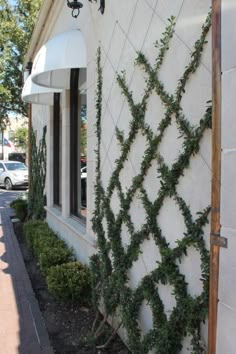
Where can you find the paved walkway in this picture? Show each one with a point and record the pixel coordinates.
(22, 329)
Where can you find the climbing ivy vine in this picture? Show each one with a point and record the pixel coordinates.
(111, 265)
(36, 195)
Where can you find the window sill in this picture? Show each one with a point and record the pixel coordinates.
(74, 224)
(57, 207)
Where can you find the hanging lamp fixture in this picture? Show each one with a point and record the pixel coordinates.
(77, 5)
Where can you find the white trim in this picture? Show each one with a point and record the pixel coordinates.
(48, 15)
(74, 225)
(65, 153)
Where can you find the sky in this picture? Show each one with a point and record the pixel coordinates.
(12, 2)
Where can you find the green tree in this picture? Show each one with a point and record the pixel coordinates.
(16, 25)
(21, 138)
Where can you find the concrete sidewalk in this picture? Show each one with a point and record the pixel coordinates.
(22, 329)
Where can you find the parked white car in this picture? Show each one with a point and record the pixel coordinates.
(13, 174)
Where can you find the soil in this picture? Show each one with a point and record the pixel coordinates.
(68, 325)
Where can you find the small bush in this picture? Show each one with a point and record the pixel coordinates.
(32, 229)
(55, 255)
(21, 208)
(70, 281)
(42, 239)
(46, 246)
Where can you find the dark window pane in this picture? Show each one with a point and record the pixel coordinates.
(56, 149)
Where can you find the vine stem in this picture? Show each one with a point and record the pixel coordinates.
(99, 331)
(104, 346)
(95, 321)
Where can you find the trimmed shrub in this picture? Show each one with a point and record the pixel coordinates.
(42, 239)
(21, 208)
(46, 246)
(70, 282)
(55, 255)
(67, 280)
(33, 229)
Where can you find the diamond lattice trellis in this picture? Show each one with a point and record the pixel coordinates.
(112, 264)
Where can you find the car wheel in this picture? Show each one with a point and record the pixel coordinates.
(8, 184)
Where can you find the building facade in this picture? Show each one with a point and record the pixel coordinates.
(154, 142)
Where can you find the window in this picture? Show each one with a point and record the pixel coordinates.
(56, 150)
(83, 155)
(11, 166)
(78, 134)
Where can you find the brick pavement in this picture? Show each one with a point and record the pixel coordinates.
(22, 329)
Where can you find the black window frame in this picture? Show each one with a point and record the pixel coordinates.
(74, 141)
(56, 148)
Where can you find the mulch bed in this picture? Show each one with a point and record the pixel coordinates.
(68, 325)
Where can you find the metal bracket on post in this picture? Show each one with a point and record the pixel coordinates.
(220, 241)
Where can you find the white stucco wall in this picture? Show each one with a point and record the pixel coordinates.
(125, 28)
(226, 329)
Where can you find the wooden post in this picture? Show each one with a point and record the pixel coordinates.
(216, 174)
(29, 144)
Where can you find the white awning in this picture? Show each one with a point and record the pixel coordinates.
(52, 64)
(32, 93)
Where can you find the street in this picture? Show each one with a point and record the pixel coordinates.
(6, 197)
